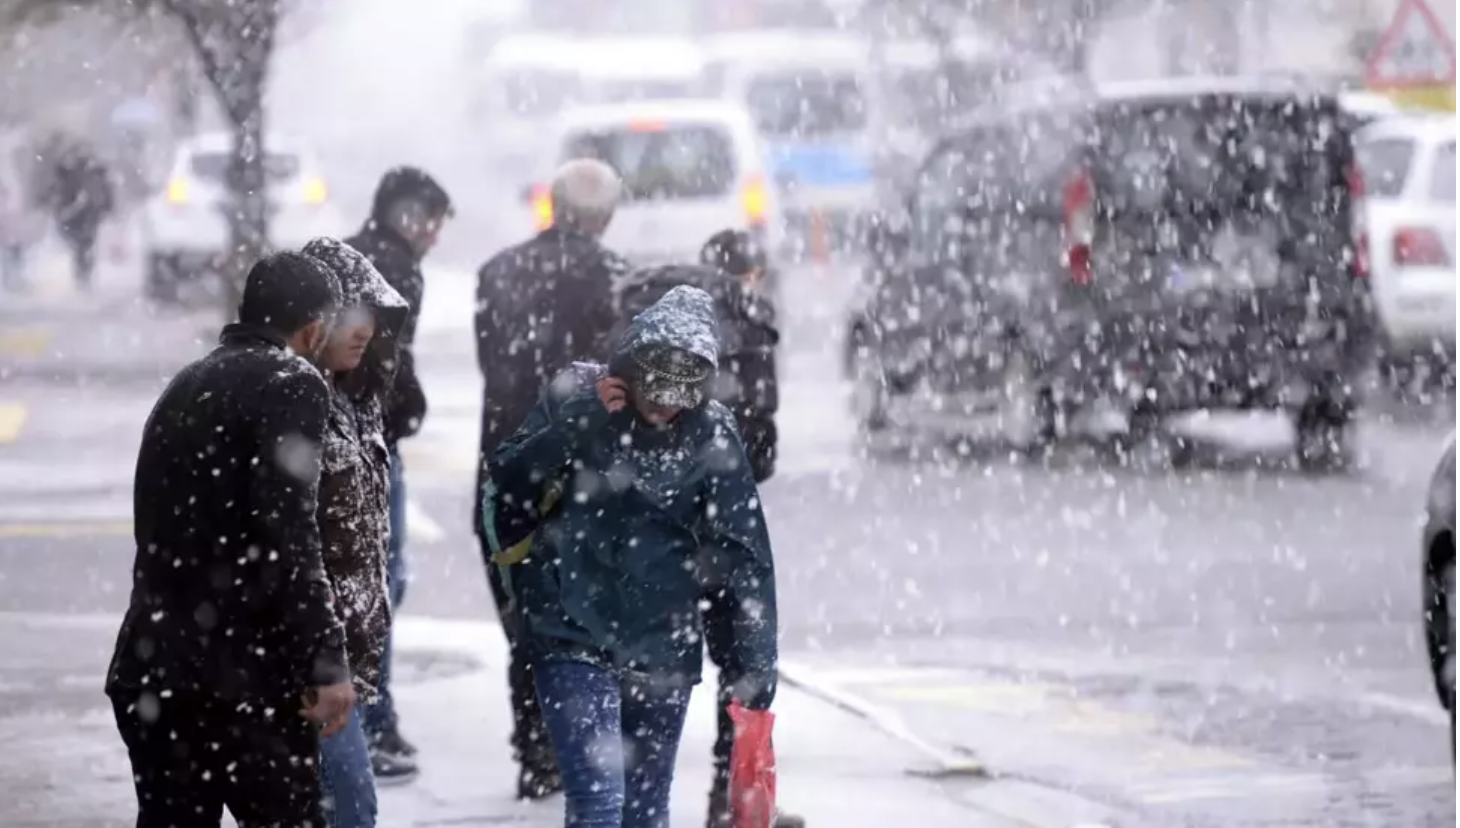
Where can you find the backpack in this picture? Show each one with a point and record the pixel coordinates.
(746, 383)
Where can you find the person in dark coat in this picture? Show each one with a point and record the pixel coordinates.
(358, 362)
(406, 217)
(731, 272)
(624, 496)
(541, 306)
(80, 196)
(231, 627)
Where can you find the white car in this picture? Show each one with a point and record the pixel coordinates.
(185, 227)
(690, 169)
(1408, 166)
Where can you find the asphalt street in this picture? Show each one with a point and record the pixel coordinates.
(1236, 645)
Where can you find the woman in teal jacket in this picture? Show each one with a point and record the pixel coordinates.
(621, 499)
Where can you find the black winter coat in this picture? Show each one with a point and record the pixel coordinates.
(229, 595)
(541, 306)
(746, 383)
(354, 499)
(398, 262)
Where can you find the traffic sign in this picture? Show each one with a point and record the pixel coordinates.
(1414, 51)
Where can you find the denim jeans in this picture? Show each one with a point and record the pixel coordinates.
(380, 716)
(615, 739)
(346, 779)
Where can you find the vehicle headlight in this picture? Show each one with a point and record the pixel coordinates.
(177, 191)
(315, 192)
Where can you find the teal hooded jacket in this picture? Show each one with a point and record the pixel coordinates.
(631, 524)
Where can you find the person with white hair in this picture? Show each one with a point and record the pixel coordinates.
(542, 305)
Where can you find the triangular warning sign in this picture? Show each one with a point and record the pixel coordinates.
(1414, 51)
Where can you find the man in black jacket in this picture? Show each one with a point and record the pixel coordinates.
(541, 306)
(406, 217)
(231, 630)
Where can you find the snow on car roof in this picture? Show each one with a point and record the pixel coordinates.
(789, 48)
(603, 57)
(684, 111)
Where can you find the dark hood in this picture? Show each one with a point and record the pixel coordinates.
(362, 286)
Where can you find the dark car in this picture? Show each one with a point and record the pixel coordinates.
(1438, 550)
(1161, 247)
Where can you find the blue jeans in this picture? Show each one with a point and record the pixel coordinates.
(346, 779)
(615, 739)
(380, 716)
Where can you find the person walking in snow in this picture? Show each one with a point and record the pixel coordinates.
(621, 496)
(406, 216)
(231, 626)
(358, 362)
(541, 305)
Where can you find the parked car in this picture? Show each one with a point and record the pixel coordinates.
(1160, 247)
(1409, 170)
(1437, 548)
(185, 226)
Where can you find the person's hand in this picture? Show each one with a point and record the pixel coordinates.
(614, 393)
(329, 706)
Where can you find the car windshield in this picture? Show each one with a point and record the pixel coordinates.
(213, 166)
(805, 104)
(662, 162)
(625, 91)
(1385, 163)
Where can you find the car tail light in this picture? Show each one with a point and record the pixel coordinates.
(755, 199)
(1419, 247)
(1358, 222)
(542, 207)
(1079, 212)
(178, 191)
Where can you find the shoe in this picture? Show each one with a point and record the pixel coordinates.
(392, 769)
(390, 741)
(538, 783)
(784, 820)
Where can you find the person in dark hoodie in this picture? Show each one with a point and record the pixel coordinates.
(406, 217)
(541, 305)
(231, 627)
(358, 363)
(624, 492)
(731, 272)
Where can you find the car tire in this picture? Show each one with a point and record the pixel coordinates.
(1147, 439)
(1324, 437)
(1027, 421)
(162, 279)
(869, 390)
(1447, 586)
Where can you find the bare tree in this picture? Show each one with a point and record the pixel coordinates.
(233, 43)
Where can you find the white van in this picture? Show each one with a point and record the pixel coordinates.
(690, 168)
(529, 79)
(808, 95)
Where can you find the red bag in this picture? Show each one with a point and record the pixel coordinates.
(752, 769)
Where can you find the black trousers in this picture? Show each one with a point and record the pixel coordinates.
(719, 621)
(530, 746)
(192, 757)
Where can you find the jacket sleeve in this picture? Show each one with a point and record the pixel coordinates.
(407, 398)
(285, 497)
(532, 460)
(735, 533)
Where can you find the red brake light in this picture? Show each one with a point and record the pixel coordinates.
(542, 207)
(647, 126)
(1358, 221)
(1079, 212)
(1419, 247)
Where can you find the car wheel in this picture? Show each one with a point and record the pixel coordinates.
(1447, 667)
(1147, 443)
(869, 390)
(1026, 419)
(1325, 438)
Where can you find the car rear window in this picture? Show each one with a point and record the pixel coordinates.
(1442, 177)
(1385, 163)
(1212, 155)
(662, 162)
(538, 94)
(806, 104)
(211, 166)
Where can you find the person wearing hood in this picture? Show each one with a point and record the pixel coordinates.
(231, 625)
(406, 217)
(358, 362)
(541, 305)
(624, 493)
